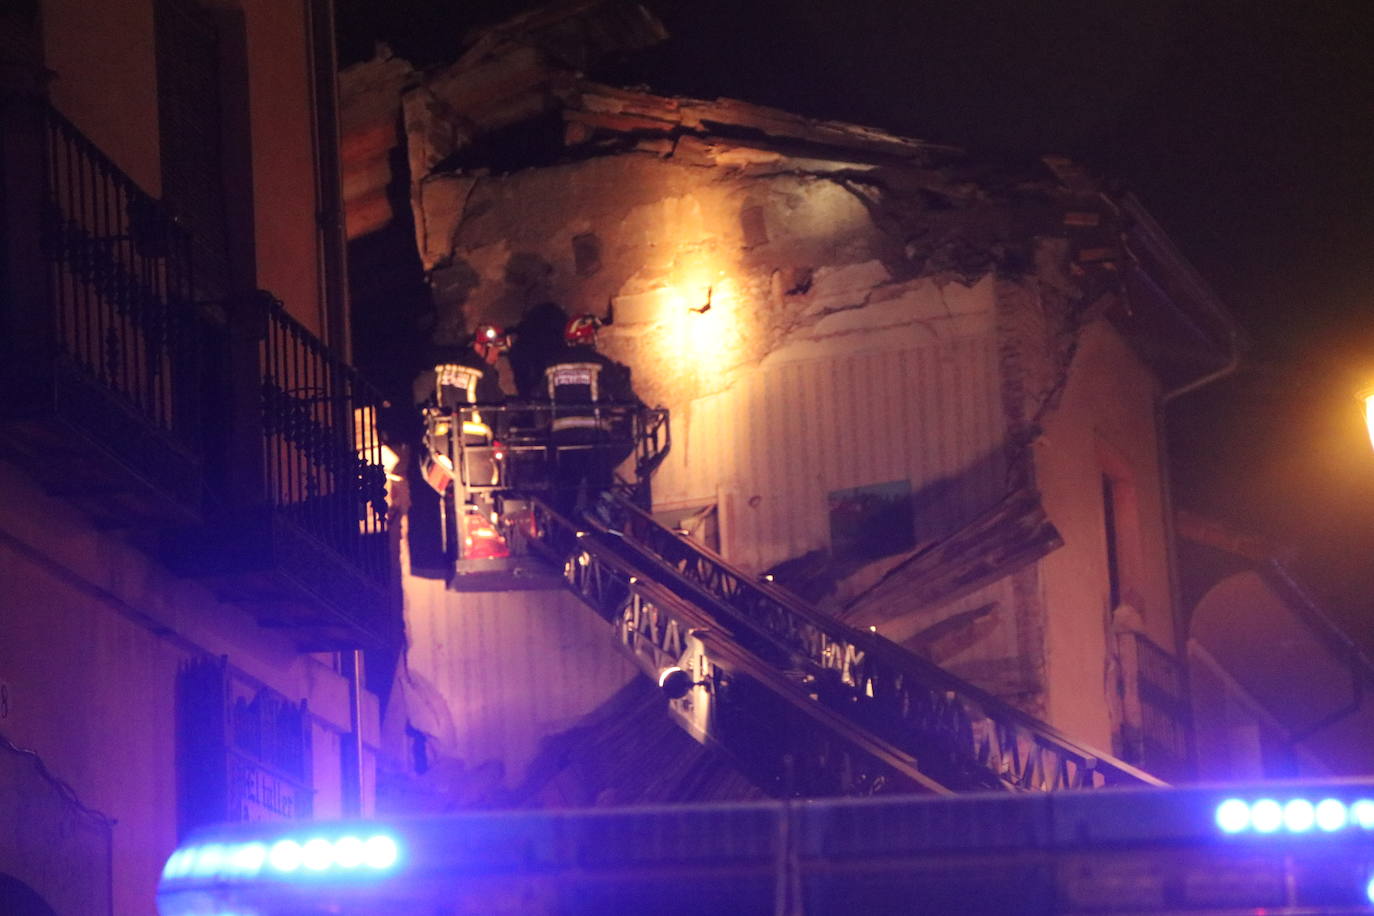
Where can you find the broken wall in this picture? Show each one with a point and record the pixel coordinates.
(809, 356)
(834, 317)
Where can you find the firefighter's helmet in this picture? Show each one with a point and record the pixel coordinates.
(581, 329)
(490, 335)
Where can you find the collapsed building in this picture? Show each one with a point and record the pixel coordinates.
(921, 390)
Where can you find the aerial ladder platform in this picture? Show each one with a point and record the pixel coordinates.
(804, 704)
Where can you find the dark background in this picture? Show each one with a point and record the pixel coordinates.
(1247, 128)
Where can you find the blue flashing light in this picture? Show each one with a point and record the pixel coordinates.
(285, 856)
(1299, 815)
(1266, 815)
(380, 851)
(1233, 815)
(1293, 816)
(209, 858)
(1369, 890)
(247, 860)
(289, 857)
(179, 863)
(349, 852)
(1332, 815)
(317, 854)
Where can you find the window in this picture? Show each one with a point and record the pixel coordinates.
(191, 119)
(871, 521)
(244, 751)
(1109, 511)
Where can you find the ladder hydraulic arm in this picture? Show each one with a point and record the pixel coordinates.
(764, 717)
(959, 737)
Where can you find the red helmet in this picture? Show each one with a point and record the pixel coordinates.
(581, 329)
(490, 335)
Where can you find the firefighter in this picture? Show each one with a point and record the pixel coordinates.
(459, 381)
(451, 396)
(465, 375)
(590, 427)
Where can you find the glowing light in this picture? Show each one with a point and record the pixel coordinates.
(349, 852)
(1332, 815)
(389, 459)
(1299, 815)
(380, 851)
(208, 859)
(1266, 815)
(285, 855)
(178, 863)
(667, 673)
(249, 858)
(1233, 815)
(445, 461)
(1368, 398)
(317, 854)
(1369, 890)
(1362, 813)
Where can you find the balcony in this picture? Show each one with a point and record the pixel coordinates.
(101, 358)
(296, 517)
(222, 435)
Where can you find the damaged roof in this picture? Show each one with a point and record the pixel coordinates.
(517, 98)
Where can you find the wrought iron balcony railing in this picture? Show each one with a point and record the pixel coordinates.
(102, 352)
(120, 279)
(321, 455)
(225, 425)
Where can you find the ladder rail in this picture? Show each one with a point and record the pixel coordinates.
(929, 703)
(767, 722)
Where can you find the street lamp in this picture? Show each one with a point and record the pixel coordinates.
(1367, 396)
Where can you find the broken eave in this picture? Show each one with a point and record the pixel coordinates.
(1171, 314)
(599, 113)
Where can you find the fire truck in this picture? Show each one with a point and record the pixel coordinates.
(1276, 849)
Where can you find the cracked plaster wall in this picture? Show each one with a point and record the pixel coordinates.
(828, 358)
(785, 260)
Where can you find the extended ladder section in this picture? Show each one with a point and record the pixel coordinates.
(805, 704)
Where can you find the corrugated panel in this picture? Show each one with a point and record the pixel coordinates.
(775, 444)
(514, 667)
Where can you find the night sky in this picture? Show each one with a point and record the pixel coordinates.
(1246, 127)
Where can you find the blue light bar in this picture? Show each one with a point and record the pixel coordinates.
(292, 857)
(1294, 816)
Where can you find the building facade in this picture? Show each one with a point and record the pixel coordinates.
(193, 533)
(923, 391)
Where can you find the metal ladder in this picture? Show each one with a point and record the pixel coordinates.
(807, 705)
